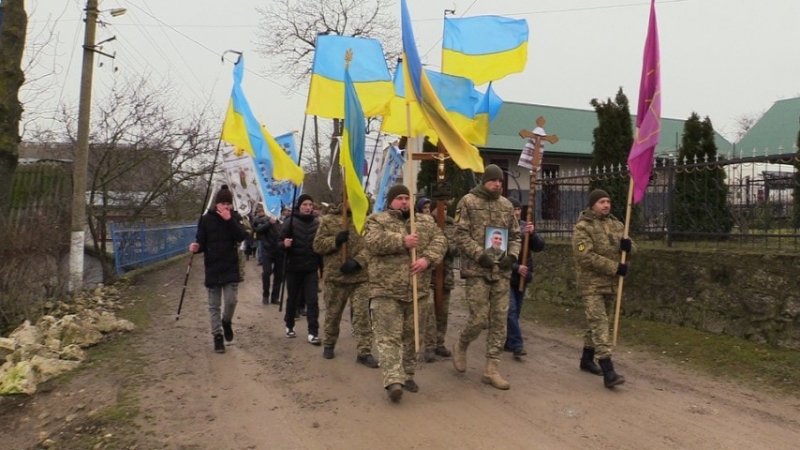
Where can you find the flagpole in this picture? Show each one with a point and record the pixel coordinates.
(412, 224)
(291, 207)
(618, 304)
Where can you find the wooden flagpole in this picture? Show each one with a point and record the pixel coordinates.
(623, 258)
(412, 223)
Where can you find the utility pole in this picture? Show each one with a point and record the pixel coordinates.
(80, 165)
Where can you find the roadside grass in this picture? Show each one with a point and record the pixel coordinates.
(758, 366)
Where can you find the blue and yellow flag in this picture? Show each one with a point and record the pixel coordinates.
(487, 109)
(369, 73)
(420, 90)
(484, 48)
(242, 130)
(457, 95)
(351, 156)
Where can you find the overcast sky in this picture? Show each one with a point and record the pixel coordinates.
(720, 58)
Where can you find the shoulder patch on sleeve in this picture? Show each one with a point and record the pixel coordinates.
(581, 246)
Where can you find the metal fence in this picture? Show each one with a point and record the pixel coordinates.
(142, 245)
(683, 206)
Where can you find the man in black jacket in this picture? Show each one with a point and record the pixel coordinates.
(218, 236)
(268, 231)
(302, 265)
(520, 271)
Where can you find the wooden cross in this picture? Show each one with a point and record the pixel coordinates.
(537, 136)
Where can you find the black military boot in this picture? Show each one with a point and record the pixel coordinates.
(610, 378)
(587, 362)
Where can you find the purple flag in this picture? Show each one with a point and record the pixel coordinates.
(648, 117)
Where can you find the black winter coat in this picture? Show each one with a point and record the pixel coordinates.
(300, 257)
(268, 233)
(218, 239)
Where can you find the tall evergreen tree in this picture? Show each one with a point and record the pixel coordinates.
(700, 201)
(796, 201)
(613, 139)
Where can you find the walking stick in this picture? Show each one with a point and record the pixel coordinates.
(205, 200)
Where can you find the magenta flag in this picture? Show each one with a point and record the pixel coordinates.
(648, 117)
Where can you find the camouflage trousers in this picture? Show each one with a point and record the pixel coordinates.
(434, 325)
(488, 307)
(598, 310)
(393, 325)
(336, 296)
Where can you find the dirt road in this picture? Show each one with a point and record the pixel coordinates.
(270, 392)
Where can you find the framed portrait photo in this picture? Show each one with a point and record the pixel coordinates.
(496, 242)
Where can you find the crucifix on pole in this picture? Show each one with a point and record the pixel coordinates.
(440, 192)
(532, 161)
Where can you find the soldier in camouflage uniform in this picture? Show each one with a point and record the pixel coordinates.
(389, 245)
(434, 337)
(597, 243)
(343, 281)
(487, 280)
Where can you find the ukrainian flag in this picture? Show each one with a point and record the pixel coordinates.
(457, 94)
(369, 73)
(242, 130)
(420, 90)
(486, 111)
(351, 156)
(484, 48)
(470, 110)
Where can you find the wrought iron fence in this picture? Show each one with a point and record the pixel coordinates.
(142, 245)
(745, 202)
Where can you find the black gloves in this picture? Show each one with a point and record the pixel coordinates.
(342, 237)
(350, 266)
(507, 262)
(625, 245)
(622, 269)
(486, 261)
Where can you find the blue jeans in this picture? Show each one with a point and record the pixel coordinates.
(514, 334)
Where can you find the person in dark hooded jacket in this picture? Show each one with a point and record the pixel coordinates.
(218, 236)
(520, 271)
(302, 265)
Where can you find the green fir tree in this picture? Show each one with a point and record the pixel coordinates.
(700, 200)
(613, 139)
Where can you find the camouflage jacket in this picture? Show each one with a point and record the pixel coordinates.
(449, 257)
(325, 245)
(476, 211)
(595, 247)
(390, 261)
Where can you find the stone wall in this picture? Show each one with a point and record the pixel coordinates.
(750, 296)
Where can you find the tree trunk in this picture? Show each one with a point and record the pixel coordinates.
(13, 24)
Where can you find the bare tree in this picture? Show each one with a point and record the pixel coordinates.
(744, 123)
(289, 28)
(13, 27)
(145, 158)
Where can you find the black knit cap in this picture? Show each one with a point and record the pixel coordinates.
(515, 203)
(596, 195)
(224, 195)
(302, 198)
(492, 172)
(394, 191)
